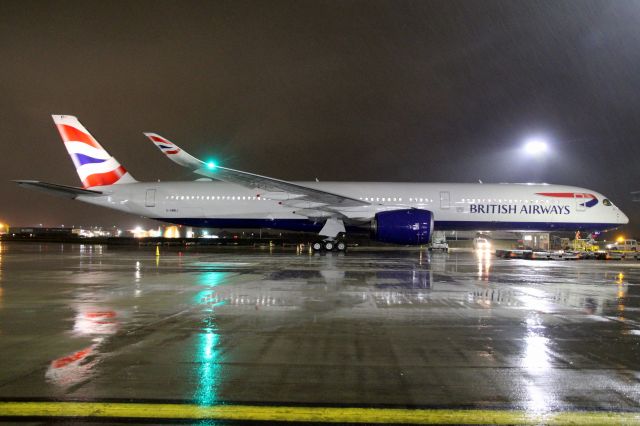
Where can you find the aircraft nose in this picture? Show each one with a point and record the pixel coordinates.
(622, 218)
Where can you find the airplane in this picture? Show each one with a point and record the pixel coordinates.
(397, 213)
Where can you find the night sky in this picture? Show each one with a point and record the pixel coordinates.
(340, 90)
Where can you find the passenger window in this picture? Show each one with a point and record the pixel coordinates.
(606, 202)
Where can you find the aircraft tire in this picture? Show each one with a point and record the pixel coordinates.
(341, 246)
(317, 246)
(329, 245)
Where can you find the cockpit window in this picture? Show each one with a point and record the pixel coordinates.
(606, 202)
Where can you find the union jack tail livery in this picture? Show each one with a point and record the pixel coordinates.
(93, 163)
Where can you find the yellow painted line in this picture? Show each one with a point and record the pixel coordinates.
(311, 414)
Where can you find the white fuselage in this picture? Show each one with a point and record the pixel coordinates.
(458, 206)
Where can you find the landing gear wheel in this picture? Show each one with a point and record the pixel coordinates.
(317, 246)
(328, 245)
(341, 246)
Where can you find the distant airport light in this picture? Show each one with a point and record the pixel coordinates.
(620, 239)
(536, 146)
(138, 232)
(172, 232)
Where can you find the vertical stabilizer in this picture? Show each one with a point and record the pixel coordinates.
(93, 163)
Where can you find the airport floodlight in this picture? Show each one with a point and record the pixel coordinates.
(536, 146)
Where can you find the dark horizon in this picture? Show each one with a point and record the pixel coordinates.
(349, 90)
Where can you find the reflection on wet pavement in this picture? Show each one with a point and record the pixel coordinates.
(403, 328)
(1, 247)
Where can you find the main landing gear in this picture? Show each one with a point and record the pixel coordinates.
(329, 245)
(332, 228)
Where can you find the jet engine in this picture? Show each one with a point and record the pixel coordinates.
(409, 226)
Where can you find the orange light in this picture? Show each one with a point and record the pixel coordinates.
(172, 232)
(620, 239)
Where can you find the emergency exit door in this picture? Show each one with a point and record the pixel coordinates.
(150, 199)
(444, 199)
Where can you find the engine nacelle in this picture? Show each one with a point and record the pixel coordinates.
(410, 226)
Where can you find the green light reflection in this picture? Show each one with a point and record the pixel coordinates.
(209, 368)
(207, 351)
(209, 280)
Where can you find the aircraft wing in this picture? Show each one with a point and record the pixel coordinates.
(59, 190)
(289, 190)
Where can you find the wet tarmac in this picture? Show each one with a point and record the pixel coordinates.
(384, 328)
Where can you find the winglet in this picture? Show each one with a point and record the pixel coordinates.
(174, 152)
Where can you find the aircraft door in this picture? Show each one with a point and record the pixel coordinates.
(580, 202)
(150, 198)
(444, 200)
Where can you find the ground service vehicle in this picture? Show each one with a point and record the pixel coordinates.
(624, 245)
(439, 242)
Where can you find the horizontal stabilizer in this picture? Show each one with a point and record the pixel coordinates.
(59, 190)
